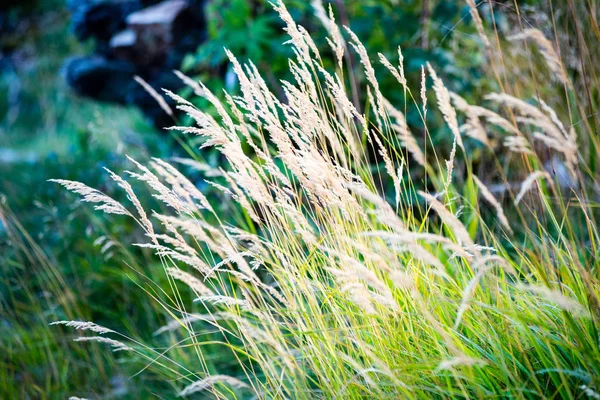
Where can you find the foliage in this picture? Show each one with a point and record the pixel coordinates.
(52, 267)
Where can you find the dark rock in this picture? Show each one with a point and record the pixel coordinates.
(172, 26)
(101, 20)
(123, 45)
(153, 31)
(99, 78)
(162, 14)
(134, 37)
(112, 81)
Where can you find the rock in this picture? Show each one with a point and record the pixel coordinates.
(162, 14)
(148, 38)
(159, 29)
(122, 45)
(123, 39)
(112, 81)
(101, 20)
(99, 78)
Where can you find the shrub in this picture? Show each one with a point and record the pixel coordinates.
(343, 275)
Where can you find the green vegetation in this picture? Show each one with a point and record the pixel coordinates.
(51, 264)
(343, 234)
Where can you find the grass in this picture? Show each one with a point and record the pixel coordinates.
(346, 256)
(50, 268)
(341, 275)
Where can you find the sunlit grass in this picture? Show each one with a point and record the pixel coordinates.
(338, 275)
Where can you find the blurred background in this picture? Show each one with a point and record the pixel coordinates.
(69, 106)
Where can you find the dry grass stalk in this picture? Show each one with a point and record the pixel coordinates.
(115, 344)
(145, 222)
(369, 71)
(194, 283)
(190, 82)
(518, 144)
(461, 361)
(554, 296)
(590, 392)
(397, 73)
(482, 266)
(224, 300)
(473, 126)
(424, 93)
(103, 202)
(211, 381)
(406, 137)
(84, 326)
(335, 39)
(478, 23)
(155, 95)
(553, 133)
(528, 183)
(489, 197)
(443, 97)
(186, 321)
(450, 220)
(547, 49)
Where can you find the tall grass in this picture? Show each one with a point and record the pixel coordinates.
(35, 361)
(366, 263)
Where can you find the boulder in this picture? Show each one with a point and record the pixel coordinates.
(160, 30)
(123, 45)
(134, 37)
(101, 19)
(99, 78)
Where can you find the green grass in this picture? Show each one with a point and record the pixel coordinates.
(336, 277)
(353, 279)
(50, 267)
